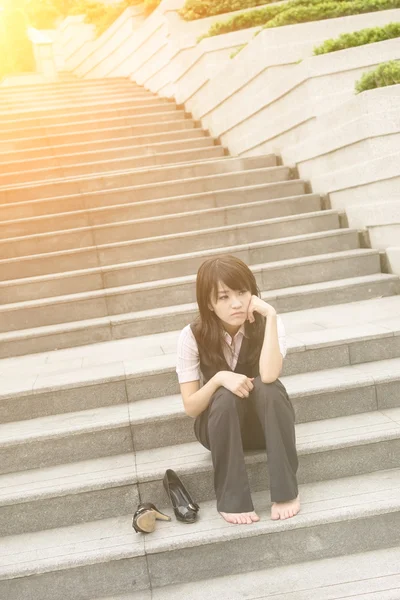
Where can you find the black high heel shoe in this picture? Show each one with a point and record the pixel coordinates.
(184, 508)
(144, 519)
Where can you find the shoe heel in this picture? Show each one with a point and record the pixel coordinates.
(161, 517)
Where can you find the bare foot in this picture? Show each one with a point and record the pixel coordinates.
(285, 510)
(240, 518)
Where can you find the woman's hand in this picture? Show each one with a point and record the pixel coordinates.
(258, 305)
(240, 385)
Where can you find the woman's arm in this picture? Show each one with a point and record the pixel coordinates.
(271, 359)
(196, 398)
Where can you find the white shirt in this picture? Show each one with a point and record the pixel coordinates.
(188, 362)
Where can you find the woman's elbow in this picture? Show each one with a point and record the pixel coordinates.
(268, 378)
(190, 414)
(189, 410)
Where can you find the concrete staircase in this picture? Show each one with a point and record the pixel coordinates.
(110, 199)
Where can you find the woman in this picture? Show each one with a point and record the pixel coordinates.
(236, 347)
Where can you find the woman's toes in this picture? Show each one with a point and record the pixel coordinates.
(229, 517)
(240, 518)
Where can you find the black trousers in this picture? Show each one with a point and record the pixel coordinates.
(230, 425)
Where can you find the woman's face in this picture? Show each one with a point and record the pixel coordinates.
(231, 306)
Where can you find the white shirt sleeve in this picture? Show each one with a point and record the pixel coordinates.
(188, 362)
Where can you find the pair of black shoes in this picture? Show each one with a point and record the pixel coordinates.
(146, 515)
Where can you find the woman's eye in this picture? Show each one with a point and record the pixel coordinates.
(243, 292)
(223, 297)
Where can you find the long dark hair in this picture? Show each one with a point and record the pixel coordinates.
(207, 329)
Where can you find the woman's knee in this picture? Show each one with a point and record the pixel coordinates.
(224, 403)
(271, 393)
(273, 390)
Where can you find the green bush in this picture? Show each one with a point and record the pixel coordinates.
(103, 15)
(359, 38)
(318, 11)
(199, 9)
(386, 74)
(44, 14)
(243, 21)
(150, 5)
(298, 11)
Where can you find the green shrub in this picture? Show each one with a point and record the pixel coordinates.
(103, 15)
(199, 9)
(359, 38)
(318, 11)
(299, 11)
(386, 74)
(243, 21)
(44, 14)
(150, 5)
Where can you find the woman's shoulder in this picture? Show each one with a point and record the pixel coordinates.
(187, 344)
(186, 334)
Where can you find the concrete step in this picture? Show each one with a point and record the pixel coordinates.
(19, 106)
(137, 230)
(108, 157)
(61, 388)
(168, 113)
(167, 245)
(85, 490)
(151, 213)
(97, 135)
(31, 288)
(147, 322)
(75, 98)
(83, 377)
(371, 575)
(128, 325)
(117, 164)
(94, 148)
(155, 294)
(50, 89)
(148, 184)
(62, 85)
(274, 185)
(88, 106)
(107, 557)
(75, 116)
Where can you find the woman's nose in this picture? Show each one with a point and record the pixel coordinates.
(236, 301)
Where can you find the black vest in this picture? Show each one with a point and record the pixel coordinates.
(243, 367)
